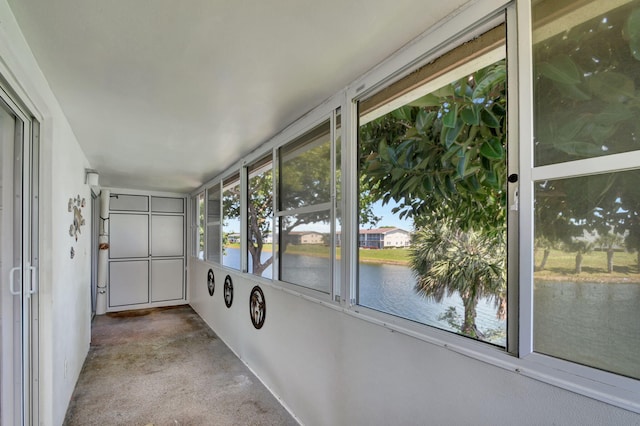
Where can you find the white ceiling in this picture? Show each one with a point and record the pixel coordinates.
(166, 94)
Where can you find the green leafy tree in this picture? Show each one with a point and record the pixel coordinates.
(441, 160)
(305, 181)
(259, 220)
(444, 155)
(586, 87)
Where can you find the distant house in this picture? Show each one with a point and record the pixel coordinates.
(306, 237)
(384, 238)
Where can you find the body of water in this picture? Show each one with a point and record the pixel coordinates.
(385, 288)
(596, 324)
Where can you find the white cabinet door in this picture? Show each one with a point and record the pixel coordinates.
(167, 235)
(129, 236)
(128, 282)
(167, 279)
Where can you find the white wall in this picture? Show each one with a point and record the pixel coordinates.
(65, 308)
(331, 368)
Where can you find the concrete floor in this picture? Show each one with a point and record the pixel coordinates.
(166, 367)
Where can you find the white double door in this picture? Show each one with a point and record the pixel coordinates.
(18, 265)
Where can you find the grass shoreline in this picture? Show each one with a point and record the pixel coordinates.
(560, 265)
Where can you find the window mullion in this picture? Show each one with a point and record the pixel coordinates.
(513, 158)
(525, 196)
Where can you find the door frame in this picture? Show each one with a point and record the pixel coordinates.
(20, 396)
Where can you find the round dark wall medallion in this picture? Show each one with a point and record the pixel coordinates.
(228, 291)
(211, 282)
(257, 307)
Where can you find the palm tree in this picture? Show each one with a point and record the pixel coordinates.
(472, 264)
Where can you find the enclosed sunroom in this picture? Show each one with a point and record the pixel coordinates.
(150, 149)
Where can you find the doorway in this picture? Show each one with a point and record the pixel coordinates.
(18, 264)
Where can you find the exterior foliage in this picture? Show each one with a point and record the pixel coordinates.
(448, 145)
(441, 160)
(470, 263)
(587, 87)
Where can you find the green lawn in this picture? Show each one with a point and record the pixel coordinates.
(561, 265)
(391, 255)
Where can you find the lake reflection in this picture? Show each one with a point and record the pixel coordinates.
(596, 324)
(390, 289)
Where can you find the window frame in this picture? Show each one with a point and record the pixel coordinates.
(257, 167)
(196, 224)
(473, 54)
(212, 224)
(321, 118)
(233, 180)
(609, 387)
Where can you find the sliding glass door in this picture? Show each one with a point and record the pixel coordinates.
(18, 264)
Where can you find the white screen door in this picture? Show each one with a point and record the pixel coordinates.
(18, 263)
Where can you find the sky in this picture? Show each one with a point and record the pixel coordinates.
(388, 219)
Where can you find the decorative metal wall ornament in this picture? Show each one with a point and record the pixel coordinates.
(211, 282)
(228, 291)
(75, 206)
(257, 307)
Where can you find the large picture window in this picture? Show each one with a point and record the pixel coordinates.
(586, 229)
(432, 173)
(213, 223)
(305, 210)
(198, 225)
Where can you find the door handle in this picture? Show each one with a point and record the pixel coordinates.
(12, 282)
(34, 284)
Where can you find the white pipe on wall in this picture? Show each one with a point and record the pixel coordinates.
(103, 252)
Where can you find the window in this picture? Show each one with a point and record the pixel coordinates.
(231, 222)
(305, 210)
(260, 218)
(338, 207)
(586, 230)
(213, 223)
(432, 173)
(198, 224)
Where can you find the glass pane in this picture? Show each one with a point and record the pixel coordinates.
(305, 251)
(231, 223)
(432, 205)
(195, 237)
(587, 270)
(305, 170)
(201, 224)
(586, 77)
(260, 215)
(213, 204)
(213, 224)
(338, 208)
(213, 243)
